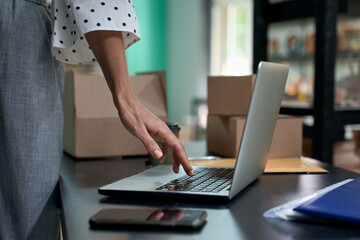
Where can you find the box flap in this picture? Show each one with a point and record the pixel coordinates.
(149, 91)
(162, 76)
(93, 99)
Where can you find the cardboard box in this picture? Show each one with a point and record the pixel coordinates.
(229, 96)
(92, 127)
(224, 135)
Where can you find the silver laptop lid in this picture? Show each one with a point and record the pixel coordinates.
(260, 124)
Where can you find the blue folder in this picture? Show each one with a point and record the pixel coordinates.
(342, 203)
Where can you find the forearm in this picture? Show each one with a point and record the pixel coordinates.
(108, 48)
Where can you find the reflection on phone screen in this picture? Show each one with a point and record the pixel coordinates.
(172, 215)
(167, 215)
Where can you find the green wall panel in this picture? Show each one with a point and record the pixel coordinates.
(149, 53)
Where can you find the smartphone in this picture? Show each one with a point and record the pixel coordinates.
(151, 218)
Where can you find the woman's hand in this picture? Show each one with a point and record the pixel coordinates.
(108, 48)
(148, 128)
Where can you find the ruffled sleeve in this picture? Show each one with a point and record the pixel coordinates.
(73, 18)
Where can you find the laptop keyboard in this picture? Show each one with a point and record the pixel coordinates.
(204, 180)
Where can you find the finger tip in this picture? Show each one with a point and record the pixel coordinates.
(158, 154)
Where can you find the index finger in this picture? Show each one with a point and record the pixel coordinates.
(180, 156)
(167, 137)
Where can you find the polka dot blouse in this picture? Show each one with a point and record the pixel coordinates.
(72, 19)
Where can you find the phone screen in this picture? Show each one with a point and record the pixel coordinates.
(117, 217)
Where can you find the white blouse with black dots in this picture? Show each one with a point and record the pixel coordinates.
(73, 18)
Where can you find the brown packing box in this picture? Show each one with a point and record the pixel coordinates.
(224, 135)
(230, 95)
(92, 127)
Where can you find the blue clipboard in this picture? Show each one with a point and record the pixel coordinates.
(342, 203)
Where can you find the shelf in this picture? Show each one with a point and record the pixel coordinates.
(343, 116)
(296, 111)
(293, 58)
(295, 104)
(290, 10)
(348, 109)
(346, 54)
(294, 107)
(296, 9)
(348, 116)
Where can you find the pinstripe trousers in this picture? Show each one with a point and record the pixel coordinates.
(31, 87)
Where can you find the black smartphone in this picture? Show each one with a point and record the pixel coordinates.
(151, 218)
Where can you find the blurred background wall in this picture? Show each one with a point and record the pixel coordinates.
(174, 38)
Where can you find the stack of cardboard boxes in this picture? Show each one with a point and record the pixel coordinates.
(228, 103)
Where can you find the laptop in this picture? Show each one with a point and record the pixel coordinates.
(212, 183)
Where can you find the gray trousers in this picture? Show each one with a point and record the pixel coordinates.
(31, 87)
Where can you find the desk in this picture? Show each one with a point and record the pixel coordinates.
(241, 218)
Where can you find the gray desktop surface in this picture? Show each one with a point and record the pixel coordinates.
(241, 218)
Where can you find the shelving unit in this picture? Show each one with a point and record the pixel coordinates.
(329, 121)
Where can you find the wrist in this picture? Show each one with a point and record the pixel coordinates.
(125, 101)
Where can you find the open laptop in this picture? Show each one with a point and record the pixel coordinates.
(219, 183)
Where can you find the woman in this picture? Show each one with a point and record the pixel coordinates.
(31, 87)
